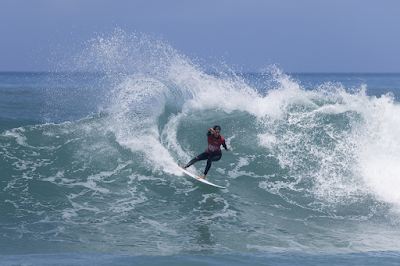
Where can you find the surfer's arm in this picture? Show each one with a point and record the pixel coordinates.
(225, 147)
(210, 131)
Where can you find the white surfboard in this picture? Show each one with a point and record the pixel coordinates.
(199, 179)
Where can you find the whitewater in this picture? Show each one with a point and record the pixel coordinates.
(89, 156)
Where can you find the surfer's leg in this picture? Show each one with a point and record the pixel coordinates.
(200, 157)
(212, 158)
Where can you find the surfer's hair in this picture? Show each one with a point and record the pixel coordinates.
(217, 128)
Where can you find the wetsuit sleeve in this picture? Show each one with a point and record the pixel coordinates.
(224, 144)
(208, 133)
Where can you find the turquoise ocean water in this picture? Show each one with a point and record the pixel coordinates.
(89, 154)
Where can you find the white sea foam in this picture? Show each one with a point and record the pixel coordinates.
(325, 139)
(378, 153)
(358, 154)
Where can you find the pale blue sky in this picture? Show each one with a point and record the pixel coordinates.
(297, 35)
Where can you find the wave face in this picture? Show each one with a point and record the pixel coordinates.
(90, 164)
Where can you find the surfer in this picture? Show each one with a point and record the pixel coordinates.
(213, 151)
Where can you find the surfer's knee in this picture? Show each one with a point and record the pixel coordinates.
(216, 157)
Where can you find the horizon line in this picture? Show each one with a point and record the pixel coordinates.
(209, 72)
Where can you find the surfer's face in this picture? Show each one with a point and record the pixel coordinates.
(216, 133)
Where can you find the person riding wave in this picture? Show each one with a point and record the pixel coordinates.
(213, 151)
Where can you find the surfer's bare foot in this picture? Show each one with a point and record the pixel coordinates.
(182, 166)
(203, 176)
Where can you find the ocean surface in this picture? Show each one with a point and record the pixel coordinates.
(89, 154)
